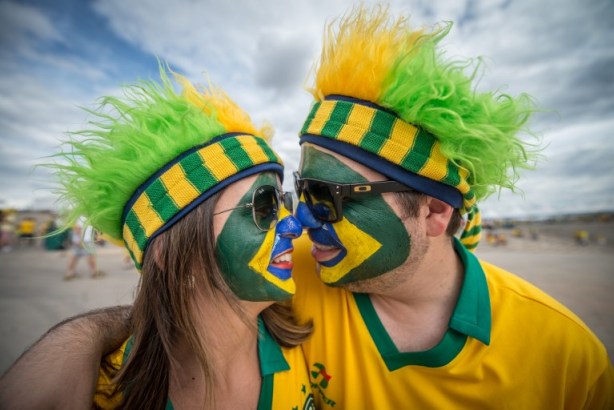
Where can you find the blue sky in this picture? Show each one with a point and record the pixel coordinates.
(56, 57)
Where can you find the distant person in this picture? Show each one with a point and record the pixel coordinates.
(82, 245)
(7, 230)
(27, 228)
(582, 237)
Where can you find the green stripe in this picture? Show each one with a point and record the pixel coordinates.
(138, 233)
(310, 117)
(452, 176)
(138, 265)
(379, 131)
(338, 118)
(469, 195)
(470, 247)
(419, 153)
(161, 201)
(268, 151)
(196, 173)
(265, 401)
(236, 154)
(472, 232)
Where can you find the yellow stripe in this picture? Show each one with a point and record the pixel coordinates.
(471, 240)
(149, 218)
(357, 124)
(179, 188)
(403, 136)
(254, 151)
(403, 133)
(321, 117)
(132, 245)
(463, 186)
(436, 166)
(217, 162)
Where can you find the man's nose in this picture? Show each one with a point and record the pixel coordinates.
(305, 216)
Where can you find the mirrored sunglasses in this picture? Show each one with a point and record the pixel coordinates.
(265, 206)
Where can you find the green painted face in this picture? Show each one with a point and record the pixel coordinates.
(244, 253)
(373, 235)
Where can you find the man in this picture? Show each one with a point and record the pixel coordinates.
(411, 319)
(397, 146)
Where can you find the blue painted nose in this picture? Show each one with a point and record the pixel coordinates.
(289, 227)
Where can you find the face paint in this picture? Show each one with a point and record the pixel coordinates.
(369, 241)
(257, 265)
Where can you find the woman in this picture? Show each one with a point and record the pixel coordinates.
(191, 187)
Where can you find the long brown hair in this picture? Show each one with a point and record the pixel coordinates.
(164, 310)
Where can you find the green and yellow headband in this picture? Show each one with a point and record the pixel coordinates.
(187, 181)
(379, 139)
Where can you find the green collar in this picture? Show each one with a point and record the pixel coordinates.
(472, 312)
(471, 318)
(272, 359)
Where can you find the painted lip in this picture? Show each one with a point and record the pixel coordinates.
(283, 260)
(324, 253)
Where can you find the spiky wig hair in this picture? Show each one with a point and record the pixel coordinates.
(375, 58)
(101, 170)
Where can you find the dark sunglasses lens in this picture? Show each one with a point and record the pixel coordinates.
(265, 207)
(321, 201)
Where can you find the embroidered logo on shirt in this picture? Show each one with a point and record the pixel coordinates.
(319, 382)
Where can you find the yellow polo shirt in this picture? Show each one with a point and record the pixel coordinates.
(509, 345)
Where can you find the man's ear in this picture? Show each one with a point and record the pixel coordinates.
(438, 216)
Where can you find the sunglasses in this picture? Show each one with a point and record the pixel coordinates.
(325, 199)
(265, 206)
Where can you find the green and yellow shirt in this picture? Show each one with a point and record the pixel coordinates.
(285, 383)
(509, 345)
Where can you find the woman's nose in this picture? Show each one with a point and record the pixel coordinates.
(288, 226)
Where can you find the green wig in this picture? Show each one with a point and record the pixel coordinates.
(375, 58)
(387, 97)
(141, 141)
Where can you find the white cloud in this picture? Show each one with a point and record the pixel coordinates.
(561, 52)
(19, 23)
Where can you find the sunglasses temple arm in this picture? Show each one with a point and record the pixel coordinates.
(248, 205)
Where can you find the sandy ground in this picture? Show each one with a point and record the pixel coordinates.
(33, 296)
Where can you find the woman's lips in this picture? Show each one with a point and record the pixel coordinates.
(323, 253)
(283, 260)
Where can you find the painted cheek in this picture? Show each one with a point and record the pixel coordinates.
(383, 238)
(274, 258)
(243, 253)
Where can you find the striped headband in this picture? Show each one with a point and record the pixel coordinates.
(187, 181)
(379, 139)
